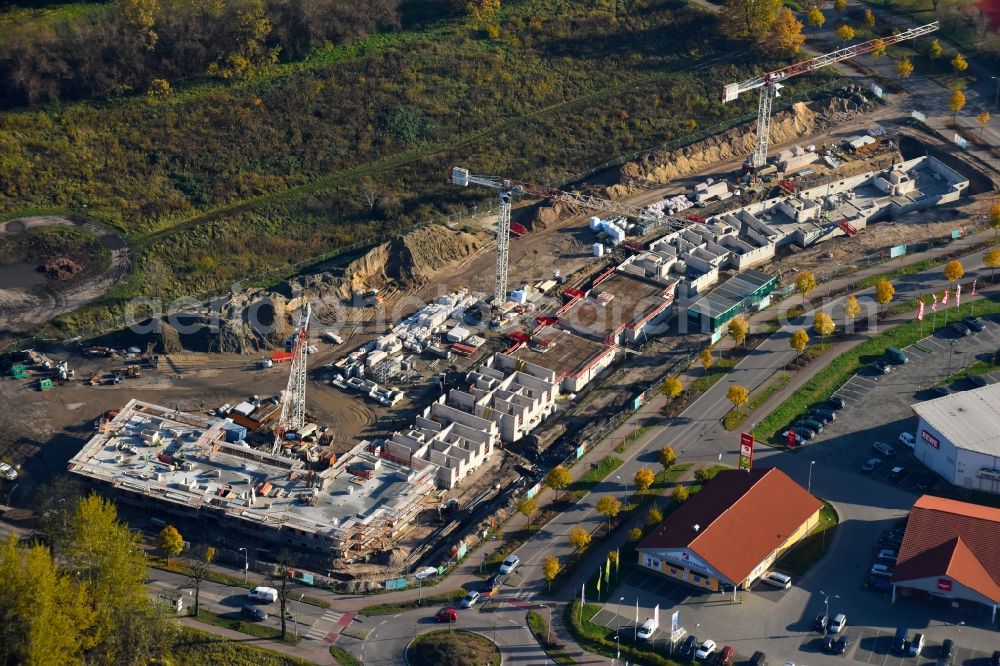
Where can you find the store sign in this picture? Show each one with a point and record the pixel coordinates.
(685, 559)
(930, 439)
(944, 584)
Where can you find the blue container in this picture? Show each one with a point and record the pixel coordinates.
(235, 432)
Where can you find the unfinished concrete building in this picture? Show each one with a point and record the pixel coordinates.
(574, 361)
(623, 306)
(178, 464)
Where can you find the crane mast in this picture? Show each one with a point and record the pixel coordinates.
(509, 188)
(293, 407)
(770, 82)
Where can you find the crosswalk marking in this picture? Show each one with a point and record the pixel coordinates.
(326, 623)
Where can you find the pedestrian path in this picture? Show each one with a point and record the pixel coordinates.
(329, 626)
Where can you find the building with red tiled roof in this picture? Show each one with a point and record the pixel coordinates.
(950, 550)
(733, 530)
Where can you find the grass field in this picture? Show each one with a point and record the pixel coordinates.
(191, 647)
(812, 547)
(243, 626)
(221, 181)
(446, 647)
(343, 657)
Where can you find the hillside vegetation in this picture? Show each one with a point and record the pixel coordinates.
(216, 180)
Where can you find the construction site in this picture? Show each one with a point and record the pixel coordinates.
(360, 413)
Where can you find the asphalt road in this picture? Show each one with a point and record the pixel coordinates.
(697, 434)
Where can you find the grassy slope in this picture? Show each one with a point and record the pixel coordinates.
(194, 648)
(221, 182)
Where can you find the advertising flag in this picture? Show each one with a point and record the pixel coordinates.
(934, 303)
(598, 584)
(607, 570)
(958, 295)
(973, 287)
(618, 563)
(920, 311)
(944, 299)
(583, 594)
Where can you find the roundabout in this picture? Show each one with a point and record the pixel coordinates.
(451, 647)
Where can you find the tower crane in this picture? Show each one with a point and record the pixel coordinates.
(293, 406)
(510, 188)
(770, 82)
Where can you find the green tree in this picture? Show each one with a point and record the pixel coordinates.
(804, 283)
(823, 325)
(644, 478)
(738, 329)
(609, 507)
(680, 494)
(198, 568)
(171, 542)
(579, 538)
(671, 387)
(786, 33)
(108, 558)
(550, 569)
(749, 19)
(44, 613)
(528, 507)
(845, 32)
(816, 18)
(667, 457)
(654, 516)
(738, 395)
(558, 478)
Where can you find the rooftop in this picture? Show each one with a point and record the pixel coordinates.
(757, 510)
(956, 539)
(731, 292)
(615, 302)
(184, 459)
(564, 354)
(970, 419)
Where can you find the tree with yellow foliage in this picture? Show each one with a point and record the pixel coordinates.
(995, 219)
(579, 538)
(815, 17)
(823, 324)
(884, 291)
(738, 395)
(934, 51)
(959, 63)
(992, 261)
(749, 19)
(550, 569)
(706, 358)
(840, 6)
(799, 340)
(852, 308)
(805, 282)
(644, 478)
(956, 103)
(878, 49)
(786, 33)
(738, 329)
(845, 32)
(982, 119)
(869, 18)
(671, 387)
(904, 68)
(954, 270)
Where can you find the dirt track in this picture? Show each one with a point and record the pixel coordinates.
(24, 308)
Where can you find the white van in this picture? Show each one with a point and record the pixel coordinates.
(265, 595)
(775, 579)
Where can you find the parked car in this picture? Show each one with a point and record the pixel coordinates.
(882, 367)
(887, 556)
(877, 584)
(813, 425)
(883, 570)
(758, 659)
(804, 433)
(491, 583)
(841, 644)
(688, 647)
(829, 414)
(448, 615)
(646, 631)
(509, 565)
(899, 643)
(946, 651)
(995, 658)
(839, 623)
(927, 481)
(253, 613)
(839, 403)
(938, 391)
(726, 656)
(896, 356)
(916, 645)
(776, 579)
(264, 595)
(871, 464)
(705, 650)
(470, 600)
(974, 323)
(897, 473)
(827, 643)
(959, 328)
(820, 623)
(908, 440)
(884, 449)
(798, 437)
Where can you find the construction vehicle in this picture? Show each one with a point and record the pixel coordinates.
(770, 83)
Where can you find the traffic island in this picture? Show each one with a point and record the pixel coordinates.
(446, 647)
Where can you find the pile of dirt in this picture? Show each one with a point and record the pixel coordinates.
(408, 260)
(800, 120)
(61, 268)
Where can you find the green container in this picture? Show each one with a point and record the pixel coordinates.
(45, 385)
(18, 371)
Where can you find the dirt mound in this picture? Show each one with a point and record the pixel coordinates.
(61, 268)
(739, 142)
(408, 260)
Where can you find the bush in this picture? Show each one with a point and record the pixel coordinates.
(680, 494)
(701, 475)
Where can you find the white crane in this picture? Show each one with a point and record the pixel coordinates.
(510, 188)
(770, 82)
(293, 406)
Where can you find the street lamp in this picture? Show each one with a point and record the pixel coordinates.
(996, 98)
(295, 619)
(826, 604)
(246, 564)
(626, 487)
(809, 487)
(548, 627)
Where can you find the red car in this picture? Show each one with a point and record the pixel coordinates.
(726, 656)
(449, 615)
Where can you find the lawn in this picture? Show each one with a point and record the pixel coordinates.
(593, 476)
(714, 374)
(539, 628)
(440, 599)
(243, 626)
(191, 647)
(343, 657)
(180, 567)
(822, 385)
(445, 647)
(800, 557)
(980, 367)
(757, 398)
